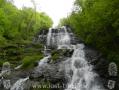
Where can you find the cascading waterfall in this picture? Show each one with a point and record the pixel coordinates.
(43, 61)
(63, 37)
(20, 84)
(49, 37)
(60, 39)
(83, 77)
(79, 72)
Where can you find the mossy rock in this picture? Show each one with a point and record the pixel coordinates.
(1, 63)
(37, 45)
(55, 55)
(29, 62)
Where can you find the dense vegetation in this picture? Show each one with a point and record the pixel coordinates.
(17, 30)
(97, 23)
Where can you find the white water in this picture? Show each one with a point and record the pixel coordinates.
(6, 84)
(60, 39)
(83, 77)
(43, 61)
(49, 37)
(6, 70)
(63, 37)
(20, 84)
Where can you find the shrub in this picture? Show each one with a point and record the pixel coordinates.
(30, 61)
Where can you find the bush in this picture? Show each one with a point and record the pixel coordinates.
(30, 61)
(37, 45)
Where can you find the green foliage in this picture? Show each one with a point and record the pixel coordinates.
(97, 23)
(37, 45)
(58, 54)
(15, 53)
(1, 63)
(30, 61)
(17, 30)
(55, 55)
(20, 25)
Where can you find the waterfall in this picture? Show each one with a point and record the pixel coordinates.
(58, 37)
(41, 64)
(63, 38)
(49, 37)
(77, 69)
(43, 61)
(20, 84)
(83, 77)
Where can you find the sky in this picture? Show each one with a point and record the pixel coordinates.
(56, 9)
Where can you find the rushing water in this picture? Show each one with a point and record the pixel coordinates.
(83, 77)
(58, 37)
(49, 38)
(20, 84)
(43, 61)
(63, 37)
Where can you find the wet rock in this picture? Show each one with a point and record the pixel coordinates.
(41, 37)
(100, 64)
(55, 73)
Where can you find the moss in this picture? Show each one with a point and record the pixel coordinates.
(29, 62)
(37, 45)
(55, 56)
(113, 57)
(18, 52)
(1, 63)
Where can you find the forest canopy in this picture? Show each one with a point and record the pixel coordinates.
(18, 26)
(96, 22)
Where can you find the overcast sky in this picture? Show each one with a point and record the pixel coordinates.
(56, 9)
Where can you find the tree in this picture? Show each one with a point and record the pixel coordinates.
(97, 23)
